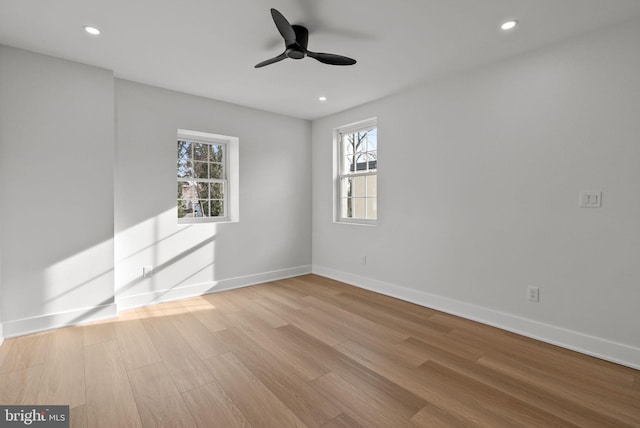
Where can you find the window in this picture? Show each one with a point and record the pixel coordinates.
(203, 192)
(357, 164)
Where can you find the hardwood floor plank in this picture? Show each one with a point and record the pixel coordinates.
(206, 313)
(435, 393)
(63, 379)
(261, 407)
(78, 417)
(20, 386)
(554, 359)
(210, 405)
(271, 340)
(159, 402)
(342, 421)
(404, 322)
(312, 408)
(110, 402)
(401, 400)
(355, 326)
(505, 406)
(99, 332)
(186, 369)
(391, 303)
(624, 411)
(256, 310)
(204, 343)
(354, 402)
(135, 345)
(557, 405)
(25, 351)
(434, 417)
(288, 297)
(310, 322)
(220, 302)
(307, 286)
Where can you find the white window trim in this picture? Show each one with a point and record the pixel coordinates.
(337, 172)
(231, 169)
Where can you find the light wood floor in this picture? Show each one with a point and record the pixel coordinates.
(309, 351)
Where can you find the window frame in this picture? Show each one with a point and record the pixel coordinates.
(340, 167)
(229, 176)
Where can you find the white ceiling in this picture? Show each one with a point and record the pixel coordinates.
(209, 47)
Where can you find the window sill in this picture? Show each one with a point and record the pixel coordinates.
(358, 222)
(205, 220)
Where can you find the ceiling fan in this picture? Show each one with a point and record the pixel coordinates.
(296, 38)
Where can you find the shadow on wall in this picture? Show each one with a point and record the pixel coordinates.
(179, 256)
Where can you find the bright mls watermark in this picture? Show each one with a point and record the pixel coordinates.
(34, 416)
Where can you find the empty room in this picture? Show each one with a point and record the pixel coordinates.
(320, 213)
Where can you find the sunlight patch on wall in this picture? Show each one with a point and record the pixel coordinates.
(82, 280)
(179, 256)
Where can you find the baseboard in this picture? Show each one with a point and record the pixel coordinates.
(590, 345)
(62, 319)
(1, 334)
(138, 300)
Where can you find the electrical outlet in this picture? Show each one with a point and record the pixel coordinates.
(147, 271)
(533, 294)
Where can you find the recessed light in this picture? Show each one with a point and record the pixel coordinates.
(92, 30)
(509, 25)
(322, 98)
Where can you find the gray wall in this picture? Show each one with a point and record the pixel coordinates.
(273, 237)
(478, 195)
(56, 170)
(70, 202)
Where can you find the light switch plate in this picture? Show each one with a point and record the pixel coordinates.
(590, 199)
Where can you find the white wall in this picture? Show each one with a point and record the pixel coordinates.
(272, 238)
(56, 175)
(63, 206)
(478, 195)
(1, 325)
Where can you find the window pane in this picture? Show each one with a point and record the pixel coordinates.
(361, 142)
(372, 157)
(189, 190)
(359, 208)
(185, 208)
(185, 169)
(347, 205)
(217, 191)
(184, 150)
(182, 209)
(347, 141)
(204, 206)
(347, 187)
(358, 186)
(200, 170)
(215, 153)
(217, 208)
(372, 140)
(216, 170)
(200, 151)
(197, 208)
(203, 190)
(372, 208)
(349, 165)
(372, 185)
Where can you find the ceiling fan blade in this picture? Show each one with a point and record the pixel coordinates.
(285, 29)
(332, 59)
(272, 60)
